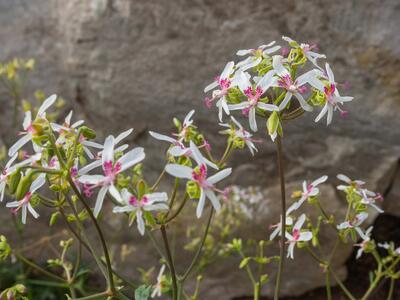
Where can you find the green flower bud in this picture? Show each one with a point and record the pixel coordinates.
(13, 181)
(193, 189)
(5, 248)
(177, 123)
(87, 132)
(272, 123)
(54, 217)
(238, 143)
(23, 186)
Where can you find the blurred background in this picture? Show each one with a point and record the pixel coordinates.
(126, 63)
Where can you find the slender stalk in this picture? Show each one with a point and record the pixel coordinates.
(170, 263)
(95, 296)
(391, 289)
(38, 268)
(256, 291)
(178, 210)
(99, 232)
(328, 285)
(283, 214)
(197, 255)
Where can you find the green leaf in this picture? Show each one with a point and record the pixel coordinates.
(142, 292)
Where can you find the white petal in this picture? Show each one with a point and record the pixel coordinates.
(271, 50)
(305, 236)
(187, 121)
(32, 211)
(268, 107)
(115, 193)
(100, 200)
(278, 66)
(123, 209)
(46, 104)
(89, 167)
(211, 86)
(200, 205)
(219, 176)
(285, 101)
(24, 213)
(303, 102)
(91, 179)
(267, 81)
(252, 119)
(68, 118)
(238, 106)
(244, 52)
(140, 222)
(178, 151)
(27, 120)
(199, 158)
(122, 136)
(214, 200)
(131, 158)
(299, 223)
(322, 113)
(331, 77)
(227, 70)
(243, 81)
(162, 137)
(320, 180)
(108, 152)
(38, 182)
(19, 144)
(157, 197)
(179, 171)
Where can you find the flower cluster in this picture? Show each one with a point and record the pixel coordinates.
(266, 81)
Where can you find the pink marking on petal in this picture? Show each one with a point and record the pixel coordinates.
(285, 51)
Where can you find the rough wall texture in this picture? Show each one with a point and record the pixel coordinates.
(126, 63)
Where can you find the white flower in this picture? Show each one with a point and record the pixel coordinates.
(224, 83)
(24, 204)
(366, 237)
(241, 133)
(293, 87)
(157, 289)
(149, 202)
(309, 190)
(256, 55)
(65, 128)
(277, 227)
(187, 122)
(253, 96)
(297, 235)
(306, 49)
(29, 131)
(179, 149)
(8, 169)
(111, 169)
(354, 223)
(333, 98)
(97, 162)
(200, 176)
(367, 197)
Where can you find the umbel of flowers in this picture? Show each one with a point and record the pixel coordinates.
(58, 166)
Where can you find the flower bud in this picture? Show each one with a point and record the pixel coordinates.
(23, 186)
(87, 132)
(192, 189)
(13, 181)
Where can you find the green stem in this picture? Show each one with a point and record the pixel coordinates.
(170, 263)
(95, 296)
(256, 291)
(99, 232)
(283, 221)
(373, 284)
(197, 255)
(178, 210)
(38, 268)
(328, 285)
(391, 289)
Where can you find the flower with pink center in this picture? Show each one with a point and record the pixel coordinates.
(24, 204)
(367, 197)
(111, 169)
(9, 169)
(277, 228)
(200, 176)
(354, 223)
(293, 87)
(309, 190)
(307, 49)
(98, 162)
(256, 55)
(65, 128)
(332, 96)
(253, 96)
(241, 133)
(29, 130)
(220, 88)
(148, 202)
(297, 235)
(366, 239)
(179, 149)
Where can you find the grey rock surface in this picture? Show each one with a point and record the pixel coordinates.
(127, 63)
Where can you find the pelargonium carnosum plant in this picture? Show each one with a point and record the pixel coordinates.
(61, 168)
